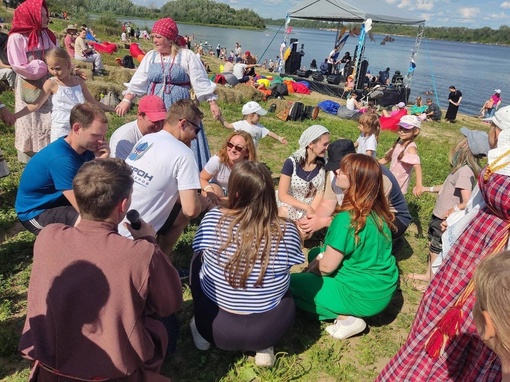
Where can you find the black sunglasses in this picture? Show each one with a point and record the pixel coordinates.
(197, 127)
(237, 147)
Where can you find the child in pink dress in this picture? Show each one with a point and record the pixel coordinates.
(404, 154)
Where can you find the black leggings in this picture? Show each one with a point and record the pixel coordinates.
(238, 332)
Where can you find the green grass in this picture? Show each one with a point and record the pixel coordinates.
(306, 353)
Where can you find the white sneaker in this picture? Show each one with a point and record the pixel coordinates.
(200, 342)
(265, 357)
(341, 331)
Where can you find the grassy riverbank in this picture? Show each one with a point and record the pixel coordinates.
(306, 353)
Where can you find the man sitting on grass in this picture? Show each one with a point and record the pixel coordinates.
(45, 192)
(96, 299)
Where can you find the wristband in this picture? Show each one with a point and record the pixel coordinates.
(456, 208)
(431, 189)
(207, 187)
(2, 105)
(126, 100)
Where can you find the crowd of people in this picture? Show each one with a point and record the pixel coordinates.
(93, 204)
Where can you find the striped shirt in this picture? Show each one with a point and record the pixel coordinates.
(209, 239)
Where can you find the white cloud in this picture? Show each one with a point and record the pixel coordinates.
(425, 16)
(425, 5)
(505, 5)
(496, 16)
(272, 2)
(404, 4)
(469, 13)
(391, 1)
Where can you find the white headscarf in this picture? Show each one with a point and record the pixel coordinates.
(307, 137)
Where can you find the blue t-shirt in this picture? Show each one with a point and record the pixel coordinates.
(397, 199)
(47, 175)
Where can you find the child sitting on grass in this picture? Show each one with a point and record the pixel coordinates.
(252, 112)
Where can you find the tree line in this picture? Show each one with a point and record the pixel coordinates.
(189, 11)
(485, 35)
(212, 13)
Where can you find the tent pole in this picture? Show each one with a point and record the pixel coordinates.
(414, 54)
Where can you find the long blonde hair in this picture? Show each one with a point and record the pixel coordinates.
(252, 223)
(461, 155)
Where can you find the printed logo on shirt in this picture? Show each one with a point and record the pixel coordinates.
(141, 177)
(139, 151)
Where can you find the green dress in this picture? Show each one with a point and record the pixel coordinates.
(365, 281)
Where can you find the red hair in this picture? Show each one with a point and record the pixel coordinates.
(365, 194)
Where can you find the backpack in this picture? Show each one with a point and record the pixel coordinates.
(296, 112)
(311, 112)
(220, 79)
(280, 90)
(127, 62)
(111, 99)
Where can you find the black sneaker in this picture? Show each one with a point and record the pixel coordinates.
(183, 273)
(98, 73)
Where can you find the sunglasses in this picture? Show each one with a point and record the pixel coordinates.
(197, 127)
(238, 148)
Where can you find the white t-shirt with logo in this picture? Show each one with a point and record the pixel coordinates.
(162, 166)
(257, 131)
(124, 139)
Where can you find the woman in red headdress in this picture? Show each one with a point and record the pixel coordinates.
(29, 39)
(170, 71)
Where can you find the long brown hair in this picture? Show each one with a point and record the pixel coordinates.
(252, 222)
(365, 194)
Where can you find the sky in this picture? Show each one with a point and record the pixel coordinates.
(458, 13)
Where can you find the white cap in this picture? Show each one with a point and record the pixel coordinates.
(409, 122)
(498, 154)
(501, 118)
(498, 91)
(253, 107)
(401, 105)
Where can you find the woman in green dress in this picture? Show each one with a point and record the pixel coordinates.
(354, 274)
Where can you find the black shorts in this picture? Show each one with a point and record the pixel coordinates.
(63, 214)
(435, 234)
(171, 219)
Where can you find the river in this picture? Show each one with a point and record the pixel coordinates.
(474, 69)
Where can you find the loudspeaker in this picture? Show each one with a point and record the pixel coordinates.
(303, 73)
(293, 63)
(334, 79)
(293, 44)
(394, 96)
(362, 74)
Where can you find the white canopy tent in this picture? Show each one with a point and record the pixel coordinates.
(342, 11)
(339, 10)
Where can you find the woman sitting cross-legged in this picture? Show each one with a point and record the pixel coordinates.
(303, 178)
(353, 274)
(240, 273)
(238, 147)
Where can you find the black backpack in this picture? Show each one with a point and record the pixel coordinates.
(127, 62)
(279, 90)
(296, 112)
